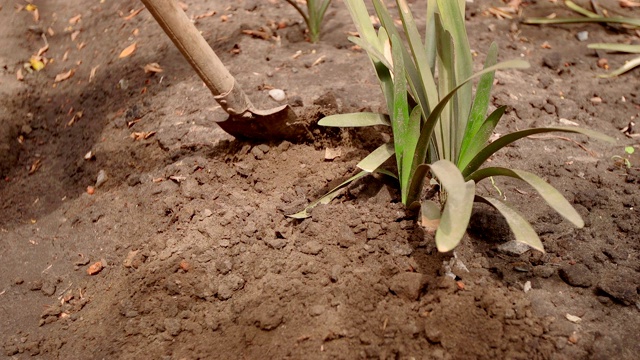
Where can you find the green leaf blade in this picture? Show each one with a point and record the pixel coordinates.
(520, 227)
(550, 194)
(458, 206)
(355, 120)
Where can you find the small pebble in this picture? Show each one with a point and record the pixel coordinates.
(582, 36)
(277, 94)
(102, 178)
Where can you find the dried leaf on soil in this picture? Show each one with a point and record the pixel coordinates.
(43, 50)
(133, 14)
(205, 15)
(19, 75)
(95, 268)
(64, 76)
(142, 135)
(330, 154)
(128, 51)
(93, 72)
(153, 68)
(258, 34)
(35, 166)
(74, 20)
(74, 35)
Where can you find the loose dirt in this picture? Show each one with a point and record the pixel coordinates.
(191, 253)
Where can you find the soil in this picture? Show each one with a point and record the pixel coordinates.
(191, 253)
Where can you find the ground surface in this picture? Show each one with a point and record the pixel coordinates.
(199, 258)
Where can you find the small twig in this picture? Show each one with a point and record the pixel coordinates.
(551, 137)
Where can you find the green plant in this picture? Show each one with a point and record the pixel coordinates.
(598, 17)
(624, 161)
(438, 125)
(313, 16)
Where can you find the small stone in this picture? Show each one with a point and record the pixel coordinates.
(35, 285)
(48, 288)
(173, 326)
(224, 266)
(408, 285)
(582, 36)
(552, 61)
(316, 310)
(543, 271)
(311, 248)
(229, 285)
(277, 94)
(573, 338)
(101, 179)
(621, 289)
(276, 243)
(433, 335)
(576, 275)
(514, 248)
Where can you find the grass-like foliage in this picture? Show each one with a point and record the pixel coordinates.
(440, 128)
(313, 16)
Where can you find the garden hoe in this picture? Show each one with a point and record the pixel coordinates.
(245, 121)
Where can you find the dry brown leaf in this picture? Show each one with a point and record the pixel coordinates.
(205, 15)
(19, 75)
(331, 154)
(81, 45)
(142, 135)
(74, 20)
(95, 268)
(64, 76)
(50, 32)
(36, 15)
(35, 166)
(93, 72)
(43, 50)
(128, 51)
(257, 34)
(628, 4)
(65, 56)
(133, 14)
(74, 35)
(152, 68)
(76, 116)
(545, 45)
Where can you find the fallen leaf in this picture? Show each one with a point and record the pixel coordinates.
(257, 33)
(64, 76)
(224, 18)
(545, 45)
(573, 318)
(142, 135)
(74, 35)
(65, 56)
(81, 45)
(74, 20)
(50, 32)
(19, 75)
(36, 63)
(36, 15)
(95, 268)
(128, 51)
(43, 50)
(93, 72)
(153, 68)
(133, 14)
(35, 166)
(628, 3)
(205, 15)
(76, 116)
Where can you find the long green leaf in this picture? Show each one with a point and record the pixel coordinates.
(481, 101)
(522, 230)
(411, 140)
(427, 129)
(427, 92)
(452, 15)
(355, 120)
(458, 206)
(360, 16)
(430, 36)
(552, 196)
(400, 117)
(446, 83)
(616, 47)
(416, 182)
(505, 140)
(371, 49)
(376, 158)
(328, 197)
(478, 139)
(580, 10)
